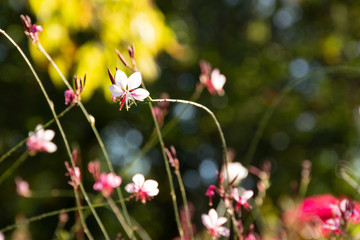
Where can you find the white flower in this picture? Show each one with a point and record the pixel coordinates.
(126, 89)
(141, 189)
(236, 171)
(213, 223)
(218, 80)
(40, 141)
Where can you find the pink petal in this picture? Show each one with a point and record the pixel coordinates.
(121, 79)
(223, 231)
(140, 94)
(246, 195)
(134, 80)
(116, 90)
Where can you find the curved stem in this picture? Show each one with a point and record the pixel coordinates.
(22, 142)
(223, 142)
(92, 124)
(51, 105)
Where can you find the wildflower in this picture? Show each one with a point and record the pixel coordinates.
(141, 189)
(39, 141)
(242, 200)
(235, 171)
(126, 89)
(2, 236)
(74, 174)
(31, 30)
(69, 97)
(211, 193)
(213, 223)
(107, 183)
(22, 187)
(212, 79)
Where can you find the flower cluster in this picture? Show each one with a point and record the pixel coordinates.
(126, 90)
(40, 141)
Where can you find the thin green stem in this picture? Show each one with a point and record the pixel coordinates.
(22, 142)
(167, 166)
(120, 218)
(15, 165)
(92, 124)
(51, 105)
(185, 202)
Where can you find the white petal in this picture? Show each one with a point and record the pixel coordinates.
(121, 79)
(138, 179)
(130, 188)
(218, 80)
(221, 221)
(116, 90)
(140, 94)
(50, 147)
(151, 187)
(206, 221)
(213, 217)
(134, 80)
(48, 135)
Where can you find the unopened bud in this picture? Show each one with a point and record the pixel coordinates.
(91, 119)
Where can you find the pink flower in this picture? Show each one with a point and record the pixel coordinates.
(126, 89)
(242, 200)
(107, 183)
(2, 236)
(141, 189)
(22, 187)
(39, 141)
(74, 174)
(212, 79)
(69, 97)
(31, 30)
(213, 223)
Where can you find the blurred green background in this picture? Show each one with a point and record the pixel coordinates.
(261, 46)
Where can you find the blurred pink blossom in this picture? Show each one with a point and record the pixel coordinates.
(107, 183)
(212, 79)
(31, 30)
(127, 89)
(242, 200)
(40, 141)
(213, 223)
(141, 189)
(69, 97)
(22, 187)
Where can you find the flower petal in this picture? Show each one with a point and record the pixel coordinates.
(223, 231)
(48, 135)
(50, 147)
(134, 80)
(116, 91)
(151, 187)
(138, 179)
(206, 221)
(140, 94)
(221, 221)
(130, 188)
(121, 79)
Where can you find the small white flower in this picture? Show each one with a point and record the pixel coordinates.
(141, 189)
(236, 171)
(126, 89)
